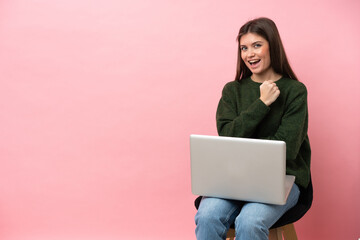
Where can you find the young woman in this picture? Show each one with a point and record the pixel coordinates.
(266, 101)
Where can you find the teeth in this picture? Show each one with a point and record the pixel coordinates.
(254, 61)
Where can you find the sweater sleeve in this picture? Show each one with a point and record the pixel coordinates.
(294, 123)
(231, 122)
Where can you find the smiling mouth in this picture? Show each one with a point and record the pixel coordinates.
(254, 62)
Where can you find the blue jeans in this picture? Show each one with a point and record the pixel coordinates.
(252, 220)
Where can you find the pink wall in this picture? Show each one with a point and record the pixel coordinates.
(98, 99)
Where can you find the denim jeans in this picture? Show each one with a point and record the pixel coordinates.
(252, 220)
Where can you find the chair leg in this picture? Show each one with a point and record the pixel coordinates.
(230, 234)
(289, 232)
(275, 234)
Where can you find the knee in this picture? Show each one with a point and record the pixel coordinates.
(214, 211)
(209, 226)
(250, 226)
(206, 218)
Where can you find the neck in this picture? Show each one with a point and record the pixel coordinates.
(266, 76)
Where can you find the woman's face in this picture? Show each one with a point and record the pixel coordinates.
(255, 53)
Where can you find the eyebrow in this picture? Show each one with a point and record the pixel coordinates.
(252, 43)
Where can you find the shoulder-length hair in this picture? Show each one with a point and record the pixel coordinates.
(267, 29)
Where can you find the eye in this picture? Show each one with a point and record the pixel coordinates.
(243, 48)
(257, 45)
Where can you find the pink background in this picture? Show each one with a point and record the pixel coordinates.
(98, 99)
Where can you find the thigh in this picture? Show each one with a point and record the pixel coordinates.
(268, 214)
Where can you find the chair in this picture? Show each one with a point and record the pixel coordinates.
(284, 226)
(288, 231)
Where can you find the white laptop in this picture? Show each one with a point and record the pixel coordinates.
(239, 168)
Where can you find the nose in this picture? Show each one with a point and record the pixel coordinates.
(250, 52)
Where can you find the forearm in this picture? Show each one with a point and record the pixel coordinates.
(243, 124)
(293, 127)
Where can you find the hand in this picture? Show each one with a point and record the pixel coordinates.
(269, 92)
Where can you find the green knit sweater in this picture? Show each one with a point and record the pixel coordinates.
(241, 113)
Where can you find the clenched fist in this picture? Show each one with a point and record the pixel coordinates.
(269, 92)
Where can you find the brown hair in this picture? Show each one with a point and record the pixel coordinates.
(267, 29)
